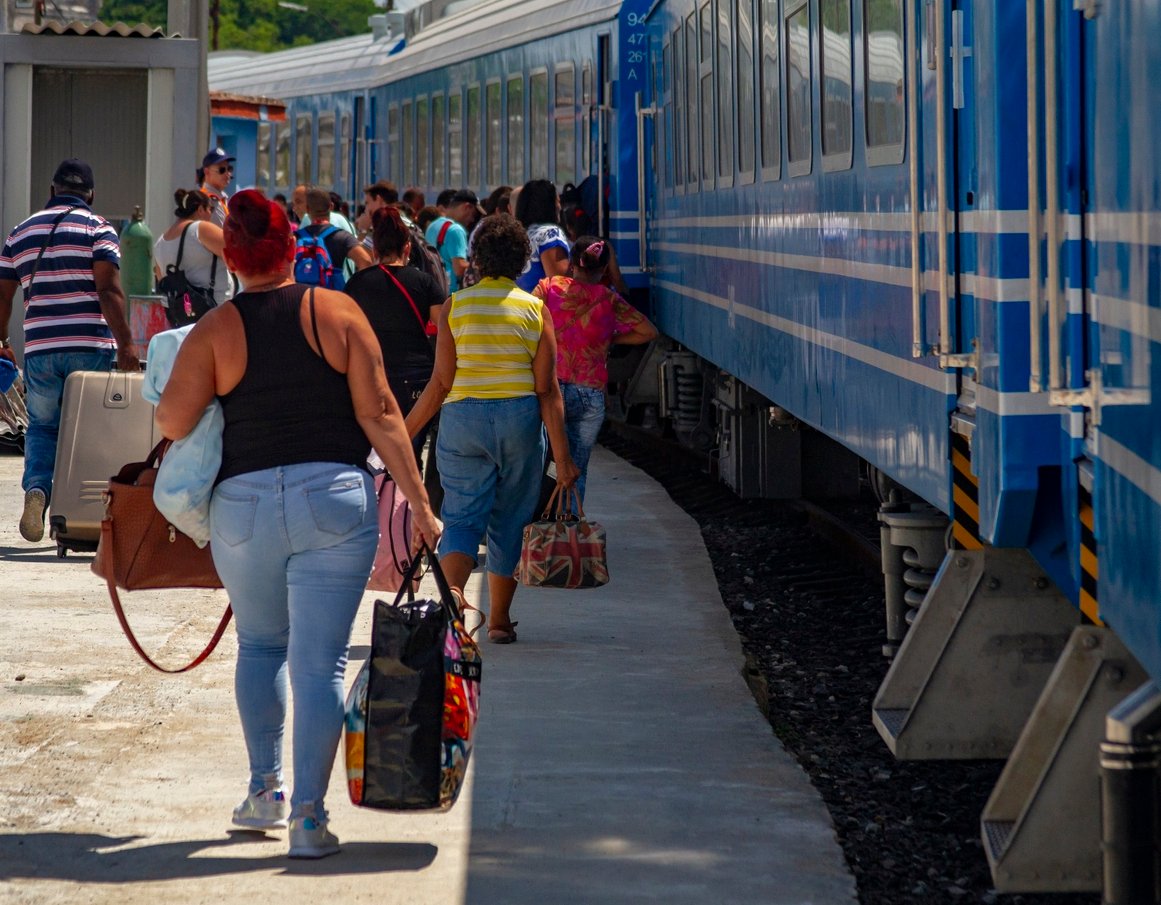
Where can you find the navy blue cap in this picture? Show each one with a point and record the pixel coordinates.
(74, 174)
(217, 155)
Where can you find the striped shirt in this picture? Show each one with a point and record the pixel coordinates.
(497, 330)
(61, 312)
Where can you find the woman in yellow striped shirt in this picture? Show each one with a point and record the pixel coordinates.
(495, 378)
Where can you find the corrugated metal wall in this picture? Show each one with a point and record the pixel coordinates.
(98, 115)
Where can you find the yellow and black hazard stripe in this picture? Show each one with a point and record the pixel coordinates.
(965, 495)
(1089, 563)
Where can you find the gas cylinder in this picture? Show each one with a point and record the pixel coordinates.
(136, 256)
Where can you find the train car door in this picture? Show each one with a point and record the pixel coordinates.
(1104, 318)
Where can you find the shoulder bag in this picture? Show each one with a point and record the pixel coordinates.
(139, 549)
(185, 302)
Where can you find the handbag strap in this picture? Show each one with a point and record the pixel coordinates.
(181, 245)
(44, 247)
(562, 501)
(446, 600)
(107, 538)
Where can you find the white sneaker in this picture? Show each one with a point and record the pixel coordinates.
(32, 519)
(310, 838)
(265, 810)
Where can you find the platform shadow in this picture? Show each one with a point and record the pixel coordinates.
(93, 858)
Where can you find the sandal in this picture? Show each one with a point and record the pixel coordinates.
(463, 606)
(503, 634)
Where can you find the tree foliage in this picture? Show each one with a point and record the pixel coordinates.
(259, 24)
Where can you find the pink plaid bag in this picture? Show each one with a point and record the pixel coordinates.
(393, 558)
(562, 549)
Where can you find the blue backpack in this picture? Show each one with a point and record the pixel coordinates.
(312, 261)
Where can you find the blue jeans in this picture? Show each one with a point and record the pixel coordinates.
(584, 413)
(294, 546)
(491, 456)
(44, 379)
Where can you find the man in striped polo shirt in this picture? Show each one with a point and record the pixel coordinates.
(67, 260)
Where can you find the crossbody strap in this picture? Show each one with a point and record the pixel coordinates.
(44, 247)
(406, 295)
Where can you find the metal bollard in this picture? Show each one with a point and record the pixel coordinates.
(1131, 800)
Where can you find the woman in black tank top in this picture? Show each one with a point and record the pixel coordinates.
(293, 519)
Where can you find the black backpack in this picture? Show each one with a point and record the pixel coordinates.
(427, 259)
(185, 302)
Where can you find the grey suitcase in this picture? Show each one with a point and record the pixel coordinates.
(104, 424)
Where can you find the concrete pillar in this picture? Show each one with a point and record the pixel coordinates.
(191, 19)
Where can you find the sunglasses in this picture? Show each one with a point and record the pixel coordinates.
(224, 169)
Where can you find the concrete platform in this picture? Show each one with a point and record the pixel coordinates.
(620, 757)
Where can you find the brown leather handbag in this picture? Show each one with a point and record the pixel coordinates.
(139, 549)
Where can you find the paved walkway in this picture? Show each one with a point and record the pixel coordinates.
(620, 758)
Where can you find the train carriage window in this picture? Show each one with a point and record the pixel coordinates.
(326, 149)
(422, 142)
(799, 127)
(705, 74)
(883, 56)
(394, 146)
(473, 148)
(304, 148)
(343, 164)
(495, 170)
(438, 142)
(564, 107)
(727, 124)
(282, 154)
(407, 138)
(771, 96)
(837, 89)
(262, 170)
(538, 125)
(455, 139)
(516, 130)
(744, 17)
(693, 136)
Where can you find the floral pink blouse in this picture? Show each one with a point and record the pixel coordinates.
(586, 318)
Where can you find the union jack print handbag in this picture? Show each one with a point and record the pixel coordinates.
(563, 549)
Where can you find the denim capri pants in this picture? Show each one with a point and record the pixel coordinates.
(491, 458)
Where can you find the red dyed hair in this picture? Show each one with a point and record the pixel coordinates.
(257, 234)
(390, 232)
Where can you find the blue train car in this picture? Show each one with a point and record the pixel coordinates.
(917, 237)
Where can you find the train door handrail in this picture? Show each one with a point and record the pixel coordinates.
(917, 269)
(945, 347)
(1052, 198)
(642, 196)
(1036, 359)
